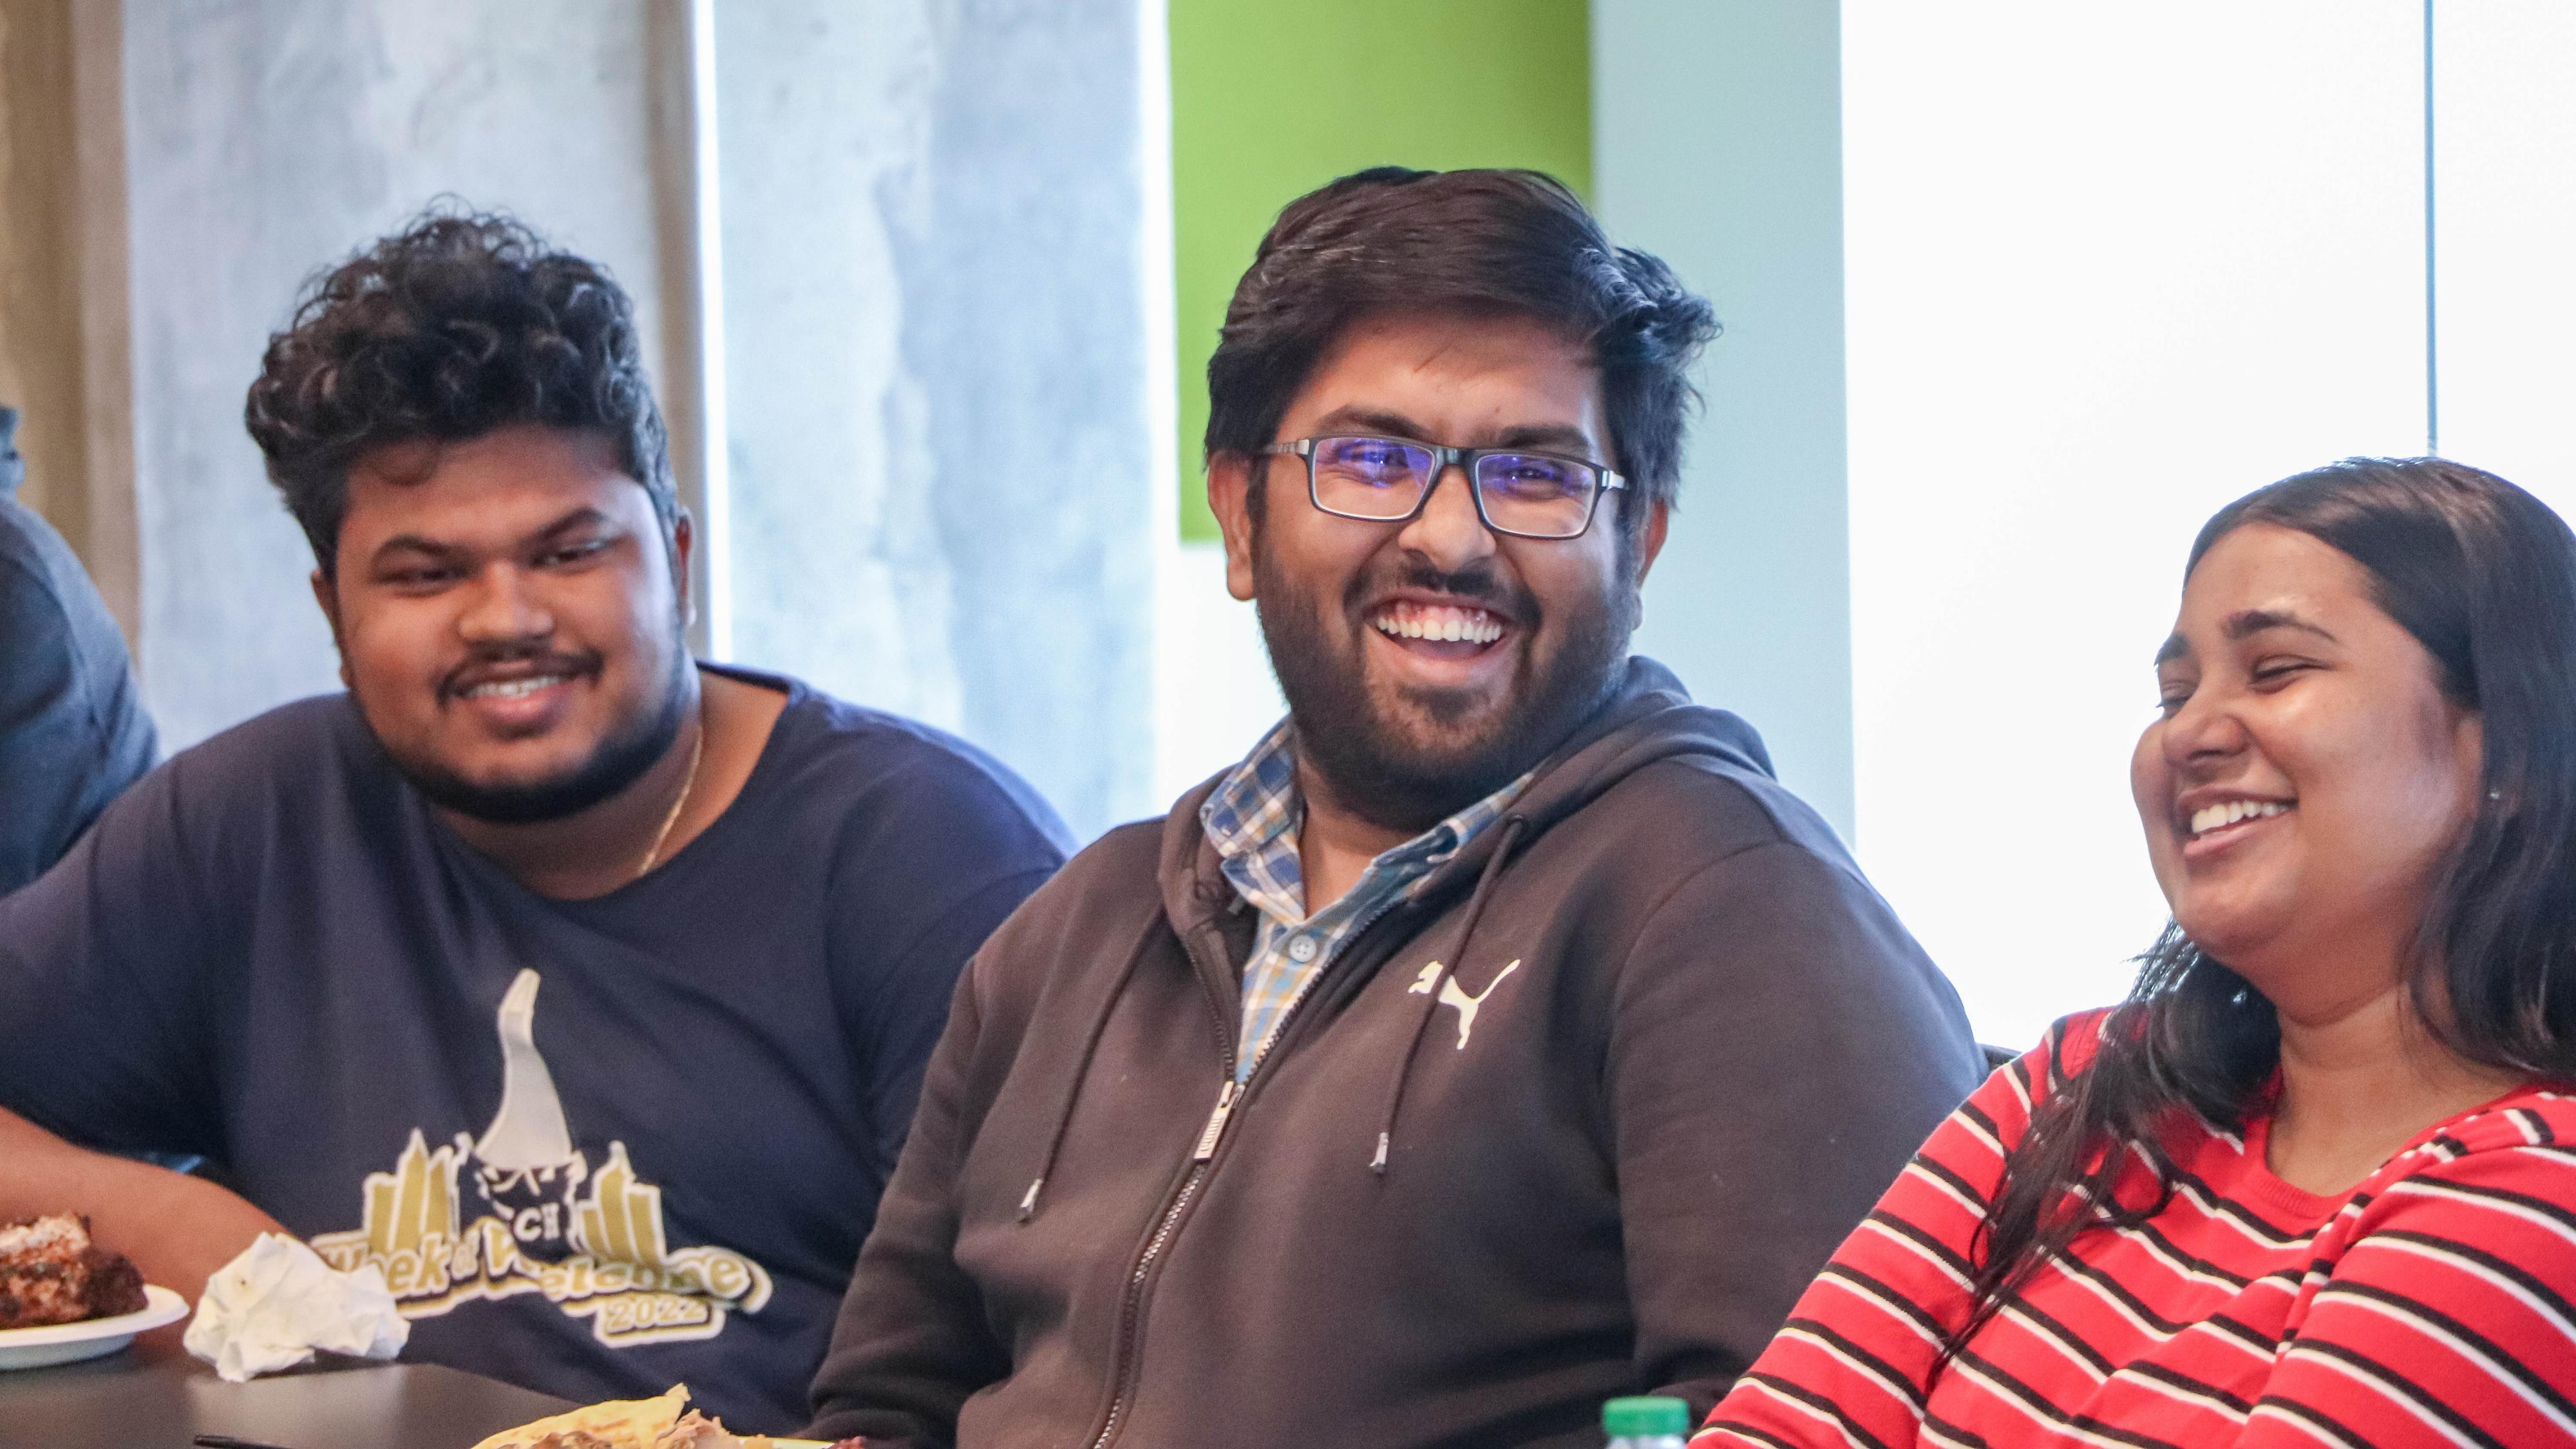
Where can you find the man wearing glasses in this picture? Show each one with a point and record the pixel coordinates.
(1498, 1037)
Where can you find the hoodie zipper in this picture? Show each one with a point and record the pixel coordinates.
(1202, 1153)
(1132, 1303)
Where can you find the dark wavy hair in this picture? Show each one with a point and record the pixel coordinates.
(459, 324)
(2483, 575)
(1504, 242)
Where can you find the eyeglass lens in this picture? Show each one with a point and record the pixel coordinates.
(1524, 493)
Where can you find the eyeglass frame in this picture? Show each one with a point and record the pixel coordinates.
(1442, 460)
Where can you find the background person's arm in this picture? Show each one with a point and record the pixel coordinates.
(177, 1229)
(912, 1344)
(49, 740)
(1780, 1049)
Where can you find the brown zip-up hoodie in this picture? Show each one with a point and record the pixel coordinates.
(1580, 1121)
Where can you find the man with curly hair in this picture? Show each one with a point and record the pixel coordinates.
(580, 988)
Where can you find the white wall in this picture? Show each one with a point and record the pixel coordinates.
(2109, 267)
(2505, 174)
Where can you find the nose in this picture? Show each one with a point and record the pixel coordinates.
(1448, 531)
(2203, 732)
(501, 608)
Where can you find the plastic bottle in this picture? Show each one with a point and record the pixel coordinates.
(1646, 1422)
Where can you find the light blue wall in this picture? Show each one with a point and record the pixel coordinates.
(1717, 145)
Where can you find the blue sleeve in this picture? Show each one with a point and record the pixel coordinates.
(51, 746)
(105, 965)
(938, 860)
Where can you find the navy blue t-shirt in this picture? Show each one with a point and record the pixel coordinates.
(598, 1147)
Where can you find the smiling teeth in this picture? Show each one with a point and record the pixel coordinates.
(1469, 626)
(2217, 817)
(515, 688)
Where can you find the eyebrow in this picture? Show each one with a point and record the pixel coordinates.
(2250, 622)
(2243, 624)
(582, 517)
(1551, 437)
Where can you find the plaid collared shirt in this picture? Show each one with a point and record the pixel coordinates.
(1252, 820)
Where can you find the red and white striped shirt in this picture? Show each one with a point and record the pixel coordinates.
(2435, 1304)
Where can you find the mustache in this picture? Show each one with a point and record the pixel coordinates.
(1480, 585)
(484, 665)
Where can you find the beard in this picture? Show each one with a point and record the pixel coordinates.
(1461, 749)
(617, 761)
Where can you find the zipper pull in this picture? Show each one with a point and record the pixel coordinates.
(1215, 1124)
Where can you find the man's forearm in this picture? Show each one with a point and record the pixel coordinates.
(177, 1229)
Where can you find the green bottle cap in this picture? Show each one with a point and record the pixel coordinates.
(1644, 1417)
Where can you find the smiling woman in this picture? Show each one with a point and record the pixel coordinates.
(2310, 1183)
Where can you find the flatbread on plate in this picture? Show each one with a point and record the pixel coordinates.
(664, 1422)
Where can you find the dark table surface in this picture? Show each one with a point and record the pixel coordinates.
(138, 1399)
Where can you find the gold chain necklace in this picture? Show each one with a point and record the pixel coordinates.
(688, 784)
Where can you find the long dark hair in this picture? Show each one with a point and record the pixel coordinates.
(2484, 576)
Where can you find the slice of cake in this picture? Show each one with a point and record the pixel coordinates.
(50, 1272)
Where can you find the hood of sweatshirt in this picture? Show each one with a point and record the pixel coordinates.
(1647, 717)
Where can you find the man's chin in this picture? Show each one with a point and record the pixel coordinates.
(527, 787)
(521, 784)
(1409, 770)
(513, 800)
(1435, 717)
(1427, 740)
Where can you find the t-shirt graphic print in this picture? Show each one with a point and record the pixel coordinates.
(593, 1244)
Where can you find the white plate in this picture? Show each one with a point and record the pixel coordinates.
(71, 1342)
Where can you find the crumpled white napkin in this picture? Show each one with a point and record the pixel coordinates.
(277, 1303)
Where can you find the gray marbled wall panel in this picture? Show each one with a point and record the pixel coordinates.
(268, 137)
(941, 454)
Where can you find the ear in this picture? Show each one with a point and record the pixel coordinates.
(1650, 539)
(1230, 483)
(684, 539)
(327, 594)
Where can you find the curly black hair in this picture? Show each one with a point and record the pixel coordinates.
(1516, 242)
(459, 324)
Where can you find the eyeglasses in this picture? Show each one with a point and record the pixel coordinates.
(1387, 480)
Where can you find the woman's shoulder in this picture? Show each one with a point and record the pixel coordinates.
(1998, 1112)
(2477, 1216)
(2501, 1177)
(2541, 1117)
(2063, 1053)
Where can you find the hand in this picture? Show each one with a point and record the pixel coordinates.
(177, 1229)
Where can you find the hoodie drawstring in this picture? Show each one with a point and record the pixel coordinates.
(1511, 830)
(1082, 1072)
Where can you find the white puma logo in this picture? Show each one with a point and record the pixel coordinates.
(1451, 994)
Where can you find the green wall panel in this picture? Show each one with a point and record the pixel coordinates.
(1272, 99)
